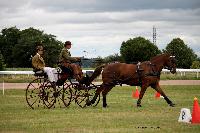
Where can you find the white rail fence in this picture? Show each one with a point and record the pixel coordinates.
(184, 71)
(181, 71)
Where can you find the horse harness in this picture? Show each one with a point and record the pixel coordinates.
(140, 74)
(153, 72)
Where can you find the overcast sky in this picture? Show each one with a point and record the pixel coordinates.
(100, 26)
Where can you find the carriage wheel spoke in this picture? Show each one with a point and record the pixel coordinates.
(34, 101)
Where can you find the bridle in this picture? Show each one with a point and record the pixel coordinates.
(173, 61)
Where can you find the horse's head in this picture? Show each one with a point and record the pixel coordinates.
(77, 72)
(165, 60)
(171, 64)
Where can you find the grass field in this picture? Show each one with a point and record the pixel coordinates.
(122, 115)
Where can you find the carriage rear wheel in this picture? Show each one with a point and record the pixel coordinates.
(40, 93)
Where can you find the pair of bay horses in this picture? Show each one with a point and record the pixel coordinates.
(143, 74)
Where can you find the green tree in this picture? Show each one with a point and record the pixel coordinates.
(18, 46)
(2, 64)
(27, 42)
(25, 48)
(98, 61)
(138, 49)
(113, 58)
(195, 65)
(8, 40)
(184, 55)
(53, 48)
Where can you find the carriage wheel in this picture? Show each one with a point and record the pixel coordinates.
(97, 101)
(92, 92)
(73, 87)
(37, 94)
(67, 94)
(81, 97)
(84, 93)
(79, 94)
(49, 97)
(59, 97)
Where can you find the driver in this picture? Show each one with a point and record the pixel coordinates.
(65, 56)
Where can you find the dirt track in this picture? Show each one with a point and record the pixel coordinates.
(162, 82)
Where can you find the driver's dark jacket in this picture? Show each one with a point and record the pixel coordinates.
(65, 56)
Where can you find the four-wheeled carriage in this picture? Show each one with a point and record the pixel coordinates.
(42, 93)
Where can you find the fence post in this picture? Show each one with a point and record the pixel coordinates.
(3, 87)
(3, 84)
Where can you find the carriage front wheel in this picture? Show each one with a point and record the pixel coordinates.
(84, 94)
(92, 92)
(67, 94)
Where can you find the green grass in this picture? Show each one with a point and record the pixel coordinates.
(121, 116)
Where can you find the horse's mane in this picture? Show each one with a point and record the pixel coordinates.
(158, 57)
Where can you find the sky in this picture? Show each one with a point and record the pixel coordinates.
(98, 27)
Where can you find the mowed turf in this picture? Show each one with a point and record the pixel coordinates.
(121, 116)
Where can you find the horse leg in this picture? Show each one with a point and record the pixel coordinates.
(143, 89)
(98, 91)
(159, 90)
(104, 93)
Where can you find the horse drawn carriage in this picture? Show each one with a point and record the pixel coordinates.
(84, 93)
(41, 93)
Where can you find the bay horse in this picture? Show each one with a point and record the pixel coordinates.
(143, 74)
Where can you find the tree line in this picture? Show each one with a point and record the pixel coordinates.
(18, 46)
(140, 49)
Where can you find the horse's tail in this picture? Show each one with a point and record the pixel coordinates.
(96, 73)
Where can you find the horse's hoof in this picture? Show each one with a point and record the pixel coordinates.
(88, 103)
(138, 105)
(105, 106)
(172, 104)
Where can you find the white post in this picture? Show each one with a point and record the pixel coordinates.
(3, 84)
(3, 87)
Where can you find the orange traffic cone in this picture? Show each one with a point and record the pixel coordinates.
(196, 112)
(136, 93)
(157, 95)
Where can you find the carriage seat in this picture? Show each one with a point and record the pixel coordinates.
(39, 73)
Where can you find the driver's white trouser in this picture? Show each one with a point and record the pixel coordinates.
(52, 74)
